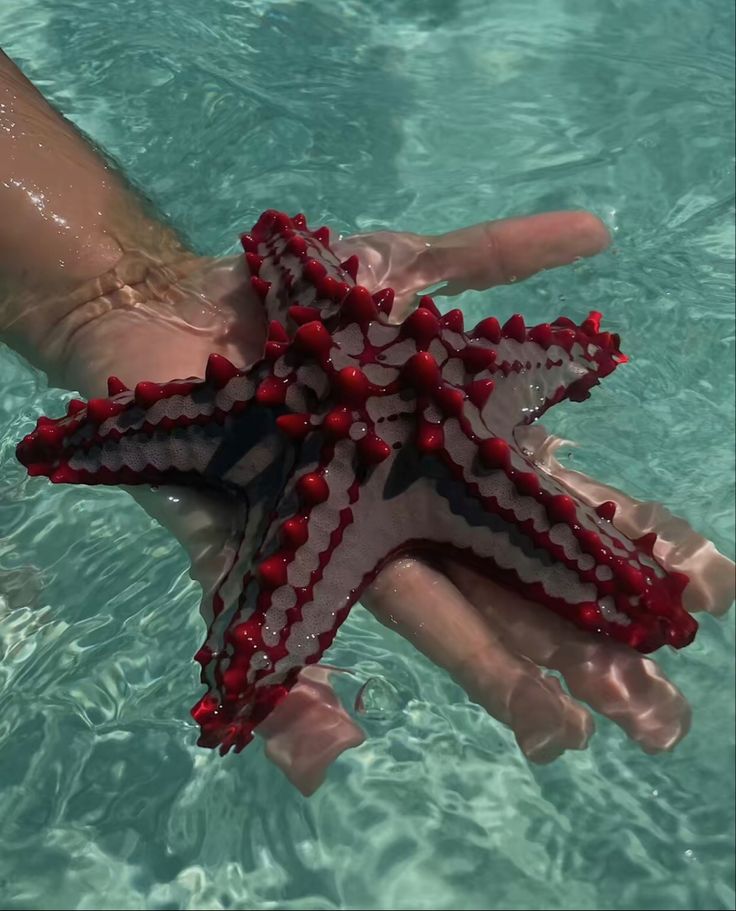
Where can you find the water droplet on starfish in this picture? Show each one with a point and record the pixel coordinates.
(260, 661)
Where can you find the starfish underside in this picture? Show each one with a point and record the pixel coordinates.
(351, 441)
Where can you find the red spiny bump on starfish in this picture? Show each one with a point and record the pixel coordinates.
(282, 222)
(36, 469)
(359, 306)
(265, 224)
(65, 475)
(681, 632)
(271, 391)
(274, 350)
(351, 266)
(542, 335)
(592, 324)
(527, 483)
(115, 386)
(351, 386)
(99, 410)
(74, 406)
(453, 320)
(430, 437)
(450, 400)
(561, 508)
(147, 394)
(49, 435)
(296, 426)
(299, 222)
(495, 452)
(515, 328)
(590, 542)
(606, 510)
(248, 243)
(372, 449)
(219, 371)
(203, 655)
(313, 271)
(323, 235)
(337, 423)
(634, 580)
(254, 263)
(295, 531)
(314, 339)
(260, 286)
(276, 332)
(328, 288)
(422, 372)
(234, 679)
(421, 325)
(565, 338)
(479, 392)
(384, 299)
(427, 303)
(205, 711)
(296, 245)
(564, 322)
(489, 329)
(302, 315)
(476, 358)
(246, 637)
(646, 543)
(589, 615)
(312, 488)
(646, 634)
(272, 571)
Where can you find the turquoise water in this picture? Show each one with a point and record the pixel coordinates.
(423, 116)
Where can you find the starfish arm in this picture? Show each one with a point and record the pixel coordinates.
(175, 433)
(567, 554)
(537, 367)
(296, 275)
(319, 551)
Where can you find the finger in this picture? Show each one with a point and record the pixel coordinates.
(426, 608)
(499, 252)
(204, 522)
(478, 257)
(612, 679)
(308, 730)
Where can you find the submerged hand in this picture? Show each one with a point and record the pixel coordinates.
(494, 643)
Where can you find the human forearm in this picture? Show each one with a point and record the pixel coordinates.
(70, 228)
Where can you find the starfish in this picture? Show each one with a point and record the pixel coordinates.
(353, 440)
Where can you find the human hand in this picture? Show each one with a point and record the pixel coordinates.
(467, 627)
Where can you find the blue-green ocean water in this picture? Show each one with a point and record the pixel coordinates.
(422, 115)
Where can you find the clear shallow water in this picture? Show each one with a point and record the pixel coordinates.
(424, 116)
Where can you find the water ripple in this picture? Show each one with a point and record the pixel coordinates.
(421, 115)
